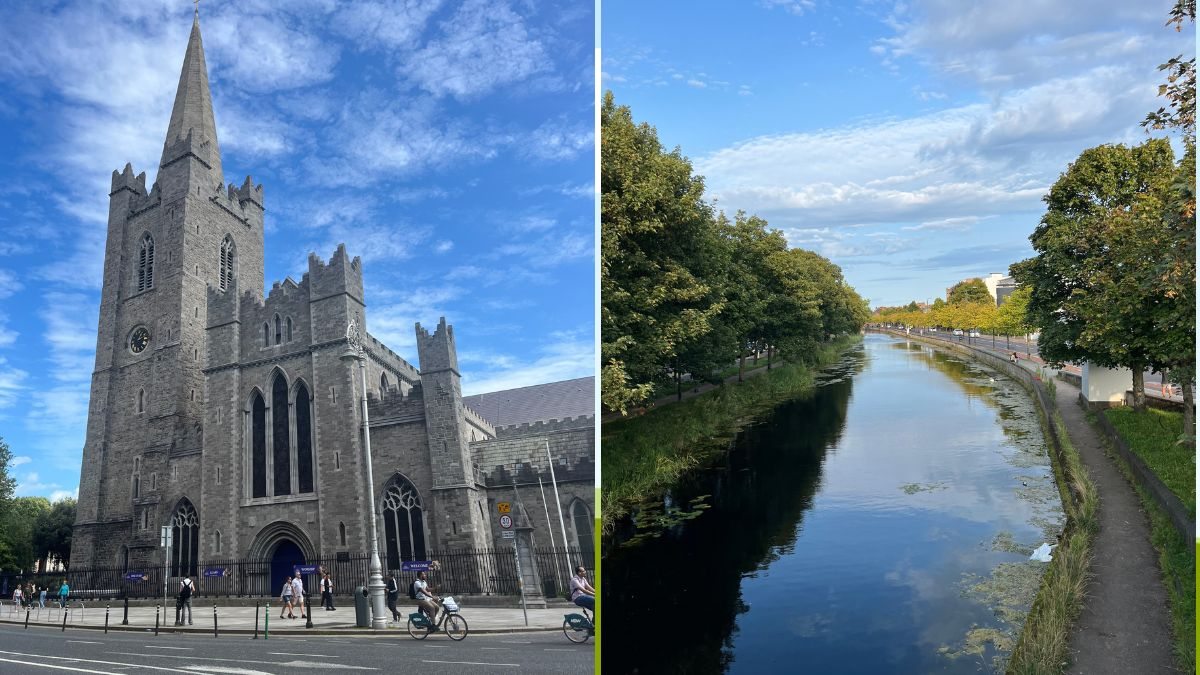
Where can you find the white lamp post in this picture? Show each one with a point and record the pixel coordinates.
(355, 351)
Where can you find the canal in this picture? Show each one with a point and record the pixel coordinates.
(882, 524)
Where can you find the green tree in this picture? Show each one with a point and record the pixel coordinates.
(1010, 317)
(1085, 296)
(17, 529)
(655, 230)
(52, 533)
(971, 290)
(1180, 87)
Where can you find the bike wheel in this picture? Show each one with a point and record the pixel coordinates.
(576, 635)
(418, 632)
(456, 627)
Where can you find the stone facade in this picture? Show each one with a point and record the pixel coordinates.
(213, 395)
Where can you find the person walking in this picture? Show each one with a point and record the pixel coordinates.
(393, 593)
(42, 598)
(327, 592)
(298, 593)
(185, 601)
(18, 593)
(285, 598)
(64, 592)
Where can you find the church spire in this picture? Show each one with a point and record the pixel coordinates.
(193, 111)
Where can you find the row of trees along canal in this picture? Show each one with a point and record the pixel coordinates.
(970, 306)
(1114, 279)
(687, 290)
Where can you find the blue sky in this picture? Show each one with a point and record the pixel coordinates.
(909, 142)
(448, 142)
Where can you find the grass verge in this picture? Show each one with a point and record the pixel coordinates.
(645, 455)
(1175, 558)
(1042, 645)
(1153, 435)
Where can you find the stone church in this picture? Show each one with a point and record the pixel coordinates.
(234, 418)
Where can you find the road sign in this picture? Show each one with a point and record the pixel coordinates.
(415, 566)
(503, 507)
(136, 576)
(508, 534)
(215, 572)
(506, 522)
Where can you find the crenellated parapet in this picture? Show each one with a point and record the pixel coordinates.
(125, 180)
(391, 360)
(340, 275)
(478, 421)
(248, 193)
(437, 351)
(396, 406)
(547, 426)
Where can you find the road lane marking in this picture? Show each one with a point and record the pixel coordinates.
(473, 663)
(159, 647)
(293, 664)
(47, 665)
(559, 649)
(315, 656)
(507, 649)
(78, 660)
(85, 642)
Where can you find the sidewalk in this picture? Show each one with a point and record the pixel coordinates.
(241, 619)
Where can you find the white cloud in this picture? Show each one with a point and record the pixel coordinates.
(10, 383)
(696, 84)
(568, 356)
(8, 284)
(443, 246)
(558, 139)
(19, 460)
(387, 25)
(59, 495)
(961, 223)
(485, 45)
(797, 7)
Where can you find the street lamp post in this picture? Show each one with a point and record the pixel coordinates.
(355, 351)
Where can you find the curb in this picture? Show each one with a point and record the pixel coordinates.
(324, 632)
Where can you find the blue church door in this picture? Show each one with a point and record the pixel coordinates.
(283, 562)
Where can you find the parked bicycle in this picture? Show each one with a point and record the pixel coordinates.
(419, 625)
(578, 627)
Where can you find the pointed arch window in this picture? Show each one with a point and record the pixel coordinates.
(145, 271)
(217, 541)
(581, 518)
(185, 544)
(304, 455)
(266, 335)
(141, 401)
(281, 437)
(278, 330)
(403, 522)
(342, 533)
(289, 329)
(227, 262)
(383, 386)
(258, 446)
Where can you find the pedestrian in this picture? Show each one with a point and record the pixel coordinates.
(185, 600)
(64, 592)
(42, 598)
(327, 592)
(18, 593)
(582, 593)
(393, 593)
(286, 598)
(298, 593)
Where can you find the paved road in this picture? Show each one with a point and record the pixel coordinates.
(45, 650)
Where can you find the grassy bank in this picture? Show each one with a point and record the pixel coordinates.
(645, 455)
(1042, 645)
(1152, 435)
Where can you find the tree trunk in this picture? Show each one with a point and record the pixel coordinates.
(1027, 352)
(770, 349)
(1189, 411)
(1007, 344)
(741, 363)
(678, 386)
(756, 350)
(1139, 387)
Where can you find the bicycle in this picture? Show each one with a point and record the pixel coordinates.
(578, 627)
(455, 626)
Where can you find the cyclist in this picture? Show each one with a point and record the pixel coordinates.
(582, 593)
(426, 600)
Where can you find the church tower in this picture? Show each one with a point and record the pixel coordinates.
(166, 246)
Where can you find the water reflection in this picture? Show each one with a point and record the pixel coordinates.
(857, 530)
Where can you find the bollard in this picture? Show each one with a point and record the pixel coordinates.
(125, 618)
(256, 603)
(106, 618)
(307, 611)
(156, 608)
(65, 611)
(26, 618)
(267, 623)
(214, 619)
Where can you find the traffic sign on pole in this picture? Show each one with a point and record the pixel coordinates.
(506, 522)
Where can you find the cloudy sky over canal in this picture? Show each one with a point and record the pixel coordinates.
(910, 142)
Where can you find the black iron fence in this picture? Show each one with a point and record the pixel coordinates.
(489, 571)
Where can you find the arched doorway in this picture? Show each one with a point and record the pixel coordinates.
(284, 559)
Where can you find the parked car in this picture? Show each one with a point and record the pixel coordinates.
(958, 332)
(974, 334)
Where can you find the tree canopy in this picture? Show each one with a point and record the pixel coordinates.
(971, 290)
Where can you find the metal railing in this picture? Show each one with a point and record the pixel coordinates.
(467, 571)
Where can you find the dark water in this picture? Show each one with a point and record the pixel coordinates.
(882, 525)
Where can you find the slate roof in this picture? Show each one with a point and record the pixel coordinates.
(540, 402)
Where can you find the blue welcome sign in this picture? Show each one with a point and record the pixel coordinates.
(136, 576)
(415, 566)
(308, 569)
(215, 572)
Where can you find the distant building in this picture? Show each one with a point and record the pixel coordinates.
(1005, 288)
